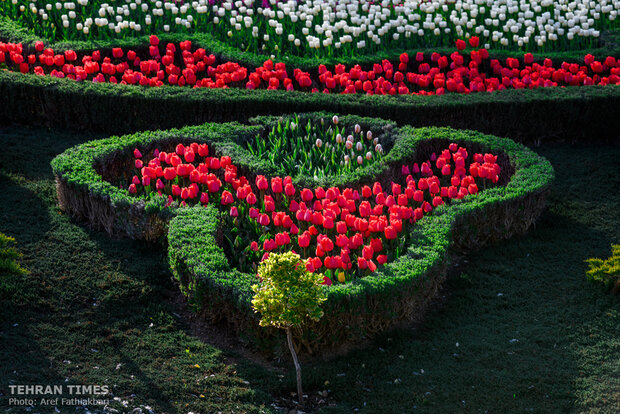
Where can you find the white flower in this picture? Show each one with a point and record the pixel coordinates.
(319, 143)
(335, 120)
(360, 159)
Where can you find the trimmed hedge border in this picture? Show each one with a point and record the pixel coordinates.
(398, 293)
(524, 115)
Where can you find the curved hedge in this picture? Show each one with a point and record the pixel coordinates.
(399, 292)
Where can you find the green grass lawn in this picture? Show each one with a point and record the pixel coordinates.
(521, 329)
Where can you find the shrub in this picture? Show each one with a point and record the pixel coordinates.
(606, 272)
(9, 256)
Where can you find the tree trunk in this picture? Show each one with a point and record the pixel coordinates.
(289, 337)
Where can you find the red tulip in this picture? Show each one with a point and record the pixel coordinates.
(376, 244)
(306, 195)
(264, 219)
(282, 239)
(366, 192)
(269, 204)
(251, 199)
(269, 245)
(276, 185)
(452, 192)
(303, 240)
(170, 173)
(289, 190)
(253, 213)
(372, 266)
(227, 198)
(214, 186)
(390, 233)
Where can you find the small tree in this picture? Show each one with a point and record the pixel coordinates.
(287, 297)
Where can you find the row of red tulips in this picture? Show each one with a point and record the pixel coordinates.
(339, 230)
(183, 65)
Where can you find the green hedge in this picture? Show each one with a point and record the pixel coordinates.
(586, 112)
(399, 292)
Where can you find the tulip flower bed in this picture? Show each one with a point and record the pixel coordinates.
(327, 28)
(317, 149)
(185, 65)
(461, 189)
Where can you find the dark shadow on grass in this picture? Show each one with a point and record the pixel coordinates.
(23, 214)
(22, 360)
(28, 151)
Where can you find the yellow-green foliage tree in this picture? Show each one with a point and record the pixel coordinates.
(287, 296)
(9, 256)
(607, 271)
